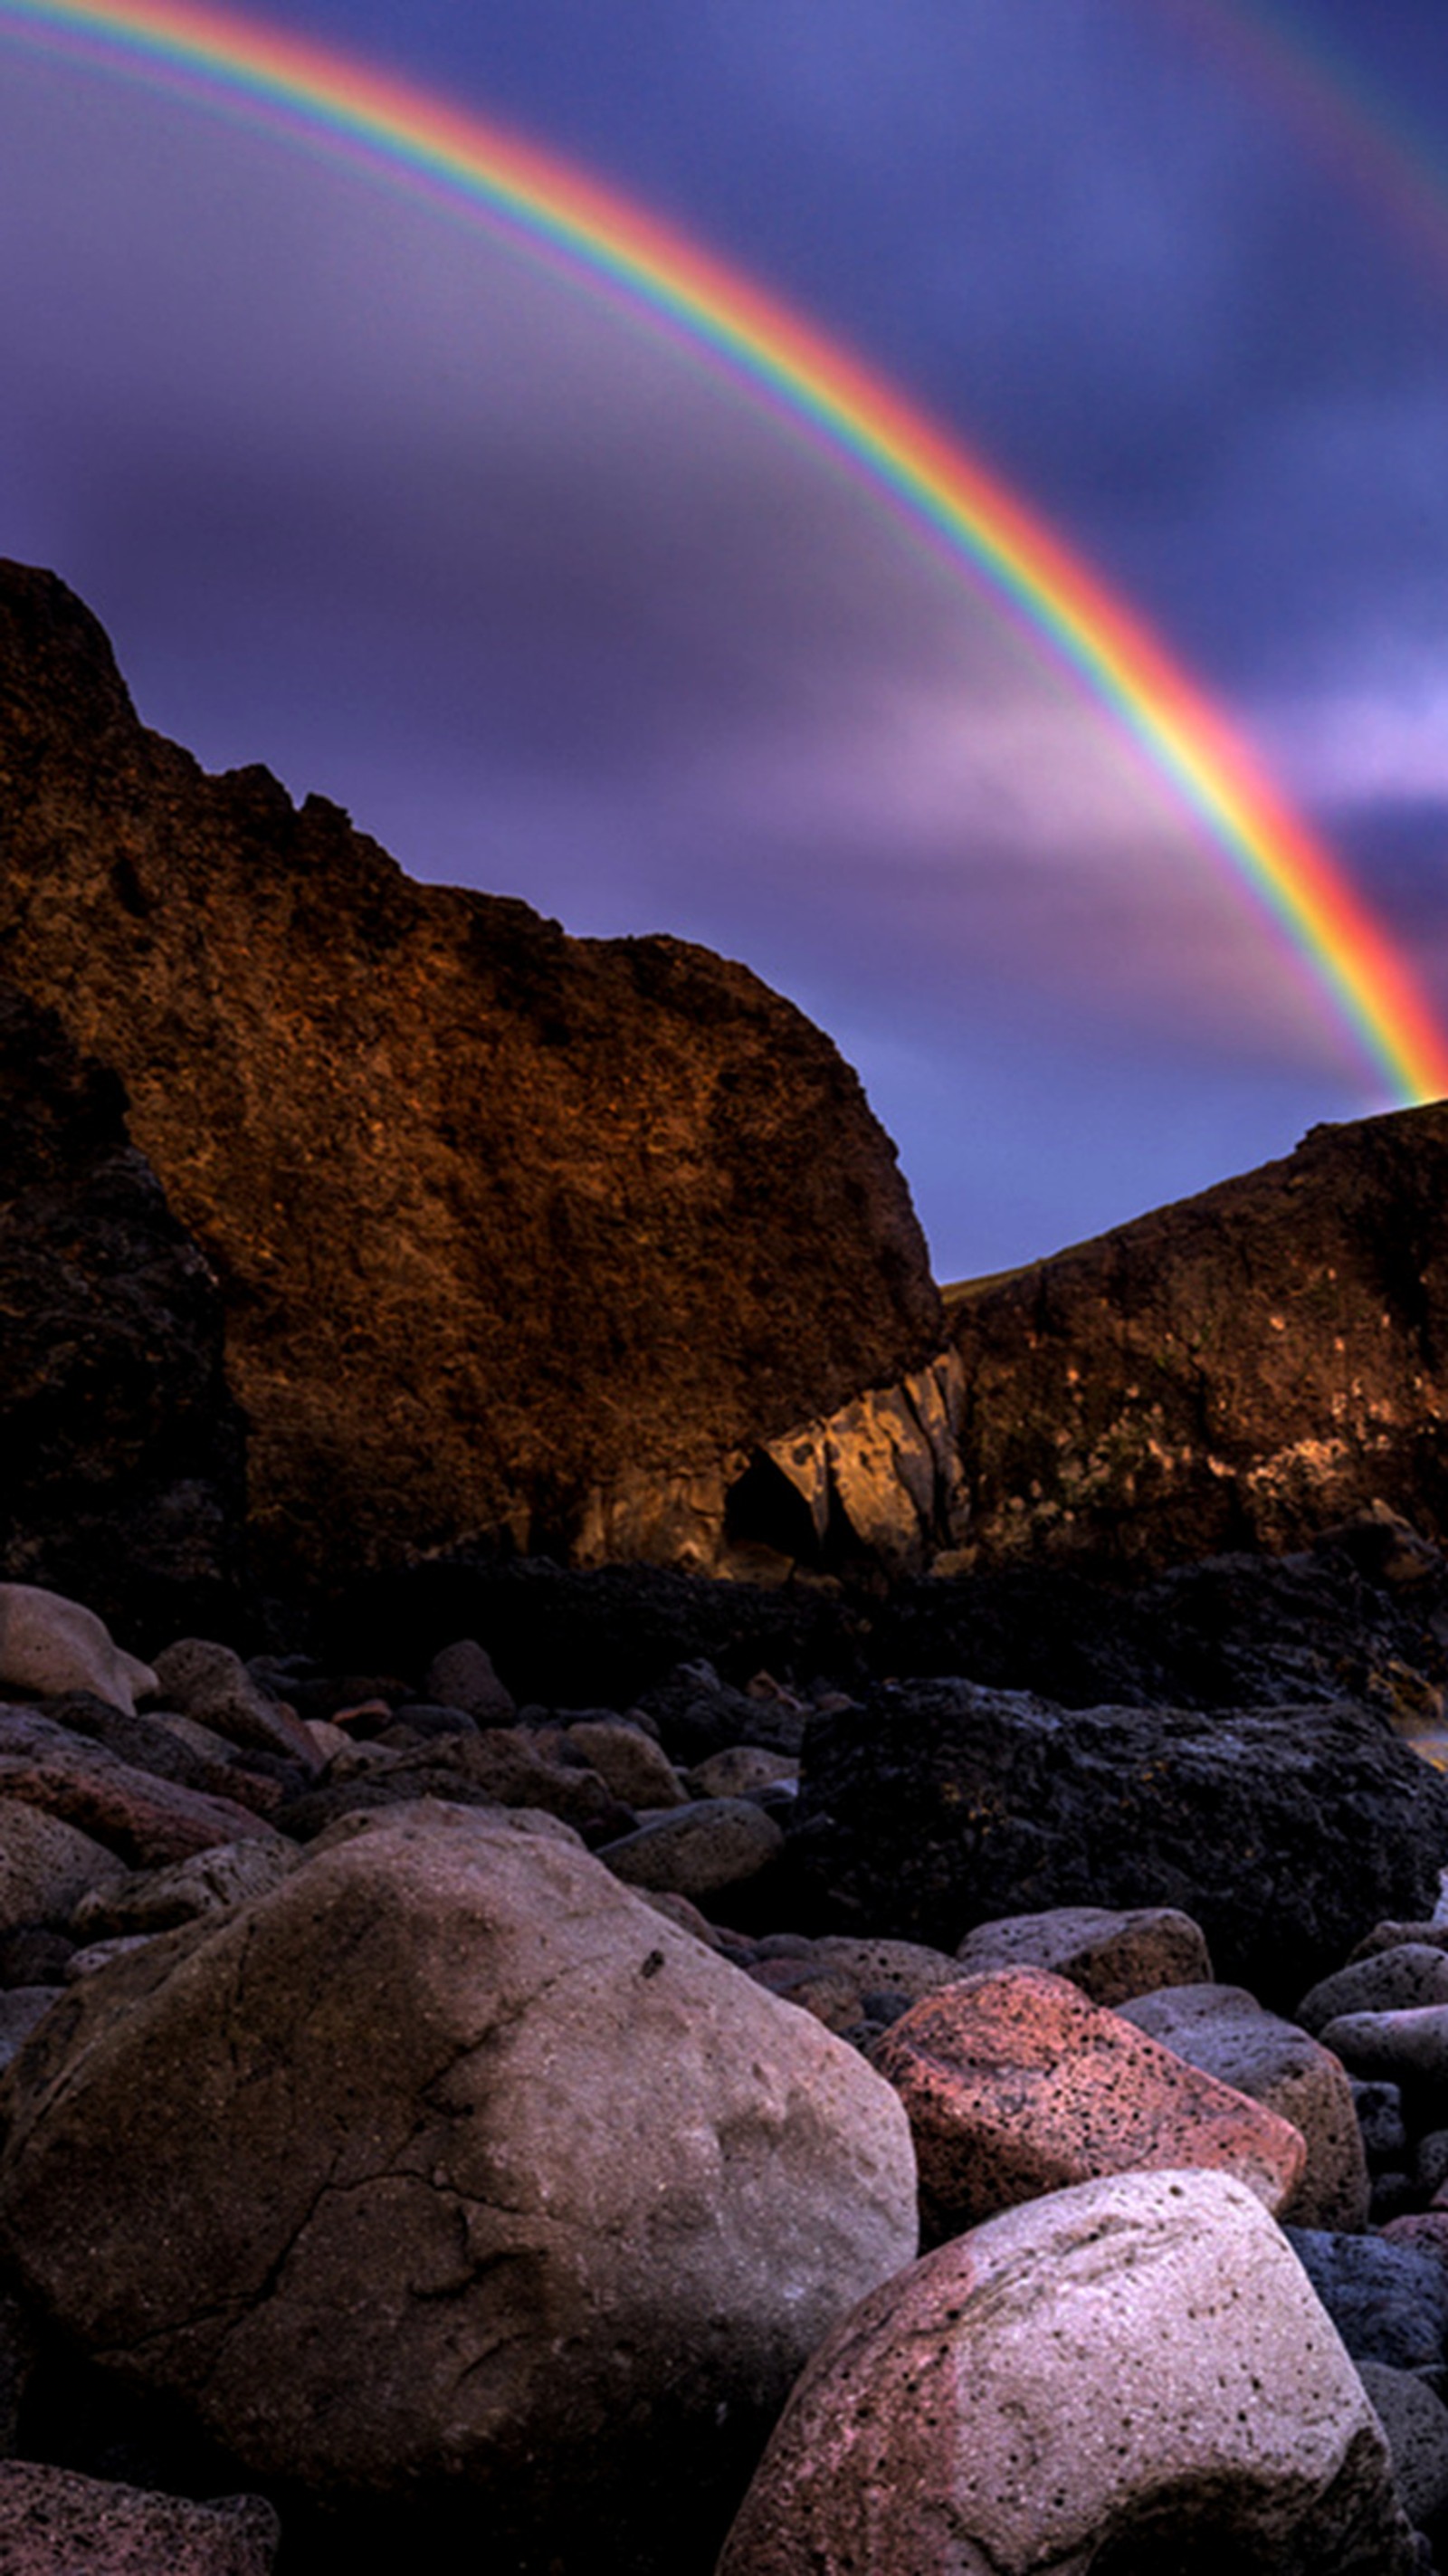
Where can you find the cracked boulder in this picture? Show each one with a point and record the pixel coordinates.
(449, 2178)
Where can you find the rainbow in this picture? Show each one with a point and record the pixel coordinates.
(330, 97)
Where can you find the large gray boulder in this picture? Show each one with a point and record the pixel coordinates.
(450, 2169)
(1132, 2374)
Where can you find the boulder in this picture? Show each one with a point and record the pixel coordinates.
(211, 1684)
(1283, 1833)
(1131, 2374)
(500, 1766)
(462, 1676)
(49, 1646)
(123, 1447)
(141, 1817)
(1109, 1956)
(1387, 2297)
(451, 2170)
(54, 2520)
(210, 1882)
(697, 1850)
(562, 1192)
(1379, 2109)
(1225, 2032)
(1409, 2047)
(1388, 1980)
(741, 1769)
(630, 1764)
(47, 1866)
(1016, 2085)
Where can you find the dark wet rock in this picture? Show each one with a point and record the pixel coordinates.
(1233, 1631)
(704, 1849)
(211, 1684)
(1379, 2108)
(1415, 2420)
(35, 1954)
(46, 1867)
(123, 1449)
(1284, 1834)
(140, 1742)
(1389, 2302)
(1111, 1957)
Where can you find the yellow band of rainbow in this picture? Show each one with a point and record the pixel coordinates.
(1272, 851)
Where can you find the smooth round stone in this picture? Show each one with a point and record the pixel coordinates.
(1389, 1981)
(696, 1850)
(1410, 2046)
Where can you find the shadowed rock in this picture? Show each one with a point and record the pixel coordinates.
(1239, 1370)
(122, 1447)
(1283, 1833)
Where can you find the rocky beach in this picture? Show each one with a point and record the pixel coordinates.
(667, 1901)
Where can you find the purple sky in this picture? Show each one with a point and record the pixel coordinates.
(366, 493)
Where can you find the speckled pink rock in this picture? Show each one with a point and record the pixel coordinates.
(1134, 2373)
(1015, 2084)
(53, 2521)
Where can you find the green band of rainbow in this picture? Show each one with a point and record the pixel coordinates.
(1269, 848)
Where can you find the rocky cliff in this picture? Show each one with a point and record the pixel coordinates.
(517, 1233)
(120, 1446)
(1240, 1370)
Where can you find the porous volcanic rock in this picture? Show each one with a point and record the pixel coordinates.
(51, 2521)
(122, 1448)
(520, 1233)
(1133, 2375)
(1238, 1370)
(939, 1805)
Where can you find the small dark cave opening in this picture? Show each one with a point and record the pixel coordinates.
(763, 1509)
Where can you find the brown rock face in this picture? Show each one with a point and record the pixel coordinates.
(504, 1218)
(1240, 1370)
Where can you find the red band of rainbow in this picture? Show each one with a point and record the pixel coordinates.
(1299, 886)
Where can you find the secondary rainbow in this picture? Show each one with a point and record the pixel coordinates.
(329, 95)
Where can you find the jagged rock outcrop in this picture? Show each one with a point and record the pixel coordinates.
(120, 1447)
(1239, 1370)
(507, 1221)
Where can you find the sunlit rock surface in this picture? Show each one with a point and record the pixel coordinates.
(505, 1219)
